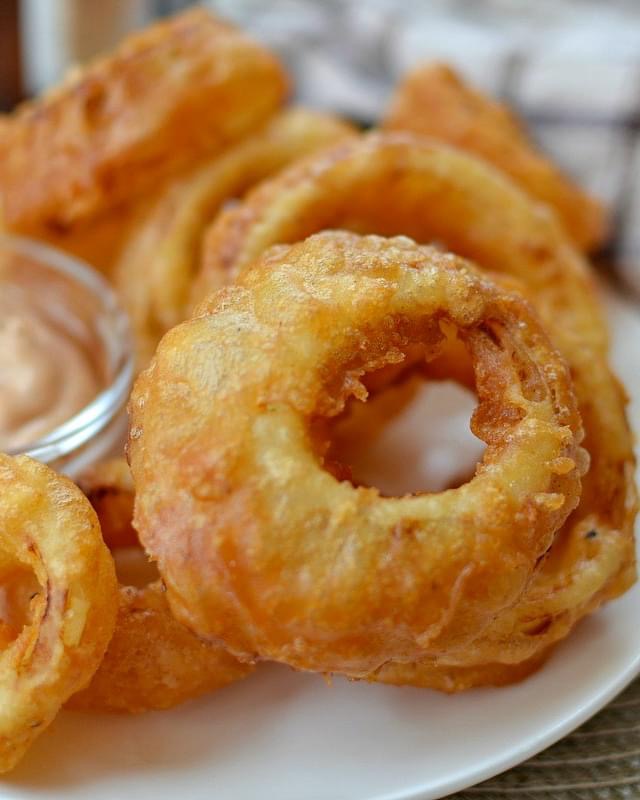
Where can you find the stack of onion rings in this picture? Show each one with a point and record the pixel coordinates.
(400, 183)
(146, 163)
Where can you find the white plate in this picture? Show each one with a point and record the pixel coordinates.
(290, 736)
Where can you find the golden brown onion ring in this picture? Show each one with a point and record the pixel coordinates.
(48, 527)
(97, 241)
(158, 263)
(434, 101)
(108, 486)
(182, 89)
(399, 183)
(433, 675)
(259, 545)
(152, 661)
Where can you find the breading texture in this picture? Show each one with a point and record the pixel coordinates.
(262, 547)
(182, 89)
(109, 488)
(400, 183)
(48, 529)
(152, 661)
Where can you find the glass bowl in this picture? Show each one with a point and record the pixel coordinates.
(77, 303)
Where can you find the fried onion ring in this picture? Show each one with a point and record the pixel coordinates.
(434, 101)
(182, 89)
(432, 674)
(49, 528)
(154, 272)
(152, 661)
(109, 488)
(399, 183)
(259, 545)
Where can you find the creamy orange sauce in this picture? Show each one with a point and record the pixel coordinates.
(45, 375)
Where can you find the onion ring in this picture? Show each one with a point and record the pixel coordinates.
(108, 486)
(156, 267)
(182, 89)
(152, 662)
(434, 101)
(450, 679)
(400, 183)
(48, 527)
(259, 545)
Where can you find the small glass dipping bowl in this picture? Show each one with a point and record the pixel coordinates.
(80, 305)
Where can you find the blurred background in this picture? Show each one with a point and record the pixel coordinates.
(571, 67)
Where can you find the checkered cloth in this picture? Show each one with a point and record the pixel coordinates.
(572, 69)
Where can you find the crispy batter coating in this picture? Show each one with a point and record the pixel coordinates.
(259, 545)
(434, 101)
(152, 661)
(48, 528)
(109, 488)
(433, 675)
(154, 272)
(399, 183)
(182, 89)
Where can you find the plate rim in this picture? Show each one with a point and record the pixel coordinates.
(524, 750)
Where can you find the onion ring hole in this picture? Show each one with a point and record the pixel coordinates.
(411, 436)
(19, 590)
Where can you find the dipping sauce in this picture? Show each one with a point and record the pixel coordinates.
(66, 359)
(45, 374)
